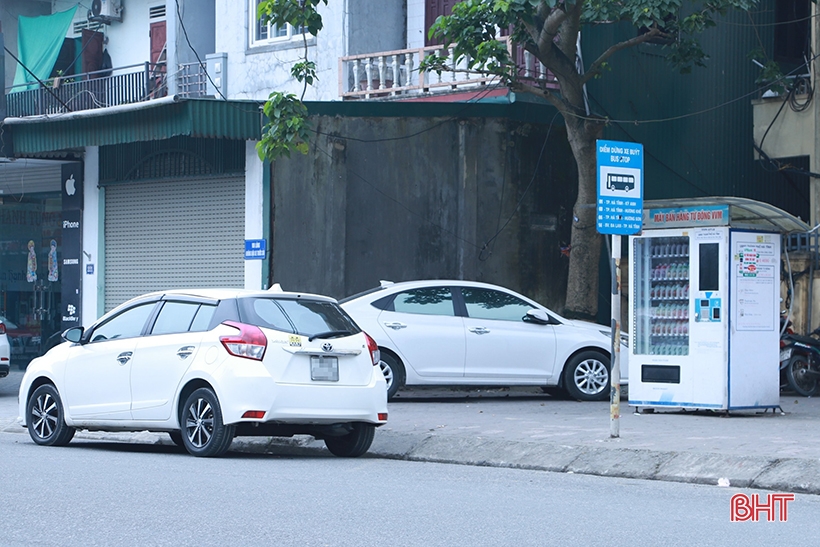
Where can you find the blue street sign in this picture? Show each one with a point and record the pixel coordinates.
(619, 205)
(255, 249)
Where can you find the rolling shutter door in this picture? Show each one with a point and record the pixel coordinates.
(173, 234)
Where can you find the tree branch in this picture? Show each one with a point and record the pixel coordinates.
(550, 28)
(595, 67)
(550, 96)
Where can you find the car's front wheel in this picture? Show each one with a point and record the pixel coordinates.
(354, 444)
(45, 418)
(586, 376)
(203, 432)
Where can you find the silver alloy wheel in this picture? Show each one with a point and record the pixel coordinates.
(388, 373)
(199, 422)
(44, 414)
(591, 376)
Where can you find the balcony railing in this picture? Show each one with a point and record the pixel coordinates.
(192, 80)
(396, 73)
(90, 90)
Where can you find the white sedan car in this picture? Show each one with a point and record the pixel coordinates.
(206, 365)
(5, 351)
(462, 333)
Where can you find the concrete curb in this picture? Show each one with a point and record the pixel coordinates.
(782, 475)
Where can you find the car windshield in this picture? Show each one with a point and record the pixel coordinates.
(298, 316)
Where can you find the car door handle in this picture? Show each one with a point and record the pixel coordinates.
(124, 357)
(395, 325)
(479, 330)
(185, 351)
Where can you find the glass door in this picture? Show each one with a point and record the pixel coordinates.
(661, 296)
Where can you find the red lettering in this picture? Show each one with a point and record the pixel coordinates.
(784, 500)
(740, 510)
(743, 508)
(758, 507)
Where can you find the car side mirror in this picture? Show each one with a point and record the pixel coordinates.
(538, 316)
(74, 334)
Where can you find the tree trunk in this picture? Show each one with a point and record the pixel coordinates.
(584, 256)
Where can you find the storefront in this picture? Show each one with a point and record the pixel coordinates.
(40, 236)
(152, 196)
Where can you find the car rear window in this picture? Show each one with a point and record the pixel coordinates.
(298, 316)
(359, 295)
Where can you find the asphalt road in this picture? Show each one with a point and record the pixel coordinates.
(112, 494)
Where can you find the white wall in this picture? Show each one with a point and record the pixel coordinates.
(415, 23)
(256, 71)
(128, 41)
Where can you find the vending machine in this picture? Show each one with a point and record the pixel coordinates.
(704, 311)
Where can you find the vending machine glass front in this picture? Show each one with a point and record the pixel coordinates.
(661, 296)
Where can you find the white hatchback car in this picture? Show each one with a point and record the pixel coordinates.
(5, 352)
(462, 333)
(205, 365)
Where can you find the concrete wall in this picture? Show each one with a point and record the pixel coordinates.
(372, 28)
(805, 300)
(414, 198)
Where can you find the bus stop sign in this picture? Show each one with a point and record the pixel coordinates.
(620, 187)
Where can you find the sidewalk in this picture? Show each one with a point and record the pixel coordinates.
(523, 428)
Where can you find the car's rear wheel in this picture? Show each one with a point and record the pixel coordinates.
(45, 418)
(394, 373)
(586, 376)
(203, 432)
(354, 444)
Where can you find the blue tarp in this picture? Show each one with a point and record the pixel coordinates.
(39, 40)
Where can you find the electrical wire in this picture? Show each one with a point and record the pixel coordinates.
(201, 64)
(47, 88)
(459, 114)
(527, 189)
(775, 24)
(399, 203)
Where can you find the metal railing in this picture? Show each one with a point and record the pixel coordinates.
(392, 73)
(89, 90)
(804, 242)
(192, 80)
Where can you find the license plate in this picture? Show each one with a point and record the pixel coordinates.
(785, 354)
(324, 369)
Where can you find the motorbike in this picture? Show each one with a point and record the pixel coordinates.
(799, 360)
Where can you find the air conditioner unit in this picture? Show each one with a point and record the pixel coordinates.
(105, 11)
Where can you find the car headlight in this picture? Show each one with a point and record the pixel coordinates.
(624, 337)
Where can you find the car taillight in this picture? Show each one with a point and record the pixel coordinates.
(373, 348)
(2, 328)
(250, 343)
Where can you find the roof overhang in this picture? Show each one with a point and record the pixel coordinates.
(744, 213)
(151, 120)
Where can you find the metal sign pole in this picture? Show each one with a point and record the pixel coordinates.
(615, 373)
(619, 212)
